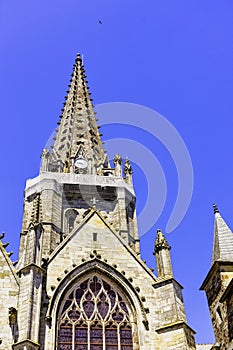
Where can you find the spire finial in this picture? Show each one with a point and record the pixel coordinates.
(215, 208)
(128, 171)
(118, 163)
(163, 259)
(161, 242)
(78, 56)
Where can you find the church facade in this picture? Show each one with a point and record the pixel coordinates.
(80, 282)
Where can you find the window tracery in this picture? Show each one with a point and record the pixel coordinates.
(94, 316)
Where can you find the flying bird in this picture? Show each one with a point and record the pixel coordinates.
(100, 22)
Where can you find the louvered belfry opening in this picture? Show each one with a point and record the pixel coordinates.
(94, 315)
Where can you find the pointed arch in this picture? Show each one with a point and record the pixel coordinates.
(91, 319)
(95, 314)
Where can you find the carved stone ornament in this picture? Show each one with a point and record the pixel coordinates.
(45, 153)
(12, 316)
(127, 168)
(161, 242)
(117, 159)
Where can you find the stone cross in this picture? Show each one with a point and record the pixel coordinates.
(94, 202)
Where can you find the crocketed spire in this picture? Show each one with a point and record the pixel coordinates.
(77, 137)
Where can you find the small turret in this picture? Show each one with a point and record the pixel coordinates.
(162, 253)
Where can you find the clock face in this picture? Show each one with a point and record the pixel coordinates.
(81, 163)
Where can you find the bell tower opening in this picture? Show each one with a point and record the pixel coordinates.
(70, 217)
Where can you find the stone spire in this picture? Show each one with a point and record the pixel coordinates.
(223, 239)
(77, 145)
(162, 253)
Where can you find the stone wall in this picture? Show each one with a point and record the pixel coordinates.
(9, 288)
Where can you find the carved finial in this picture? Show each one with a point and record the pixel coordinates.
(215, 208)
(14, 263)
(117, 159)
(163, 259)
(127, 168)
(45, 155)
(78, 57)
(10, 253)
(161, 242)
(128, 171)
(5, 244)
(118, 162)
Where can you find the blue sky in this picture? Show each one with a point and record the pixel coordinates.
(174, 57)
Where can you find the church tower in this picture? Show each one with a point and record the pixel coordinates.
(80, 283)
(218, 284)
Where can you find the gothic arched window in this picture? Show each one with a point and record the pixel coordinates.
(95, 316)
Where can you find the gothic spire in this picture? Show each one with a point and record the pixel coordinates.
(223, 239)
(77, 136)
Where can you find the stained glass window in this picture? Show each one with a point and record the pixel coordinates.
(95, 316)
